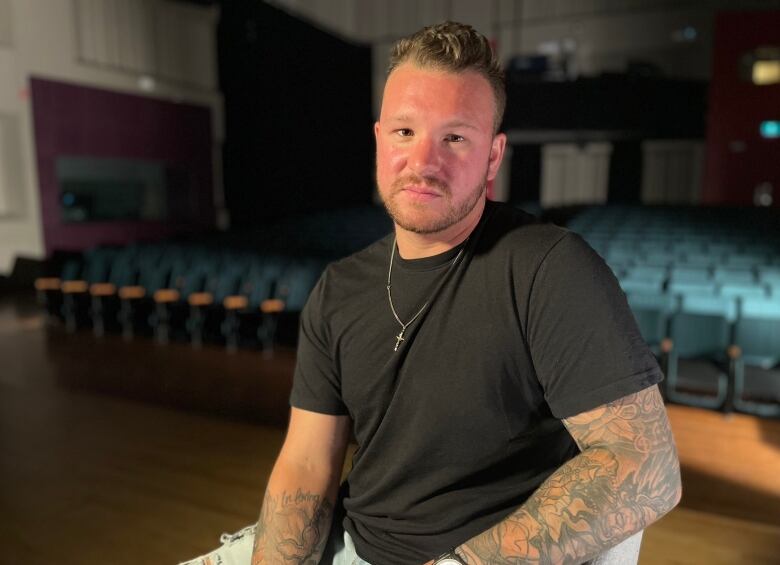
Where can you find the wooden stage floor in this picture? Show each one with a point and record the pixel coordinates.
(120, 453)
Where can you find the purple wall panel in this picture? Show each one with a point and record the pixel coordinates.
(77, 121)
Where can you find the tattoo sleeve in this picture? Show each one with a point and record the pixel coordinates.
(626, 477)
(293, 528)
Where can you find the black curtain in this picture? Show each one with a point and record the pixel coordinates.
(298, 120)
(525, 173)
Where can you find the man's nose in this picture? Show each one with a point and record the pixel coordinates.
(425, 157)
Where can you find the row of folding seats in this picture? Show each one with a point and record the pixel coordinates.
(710, 221)
(704, 286)
(719, 281)
(186, 292)
(622, 255)
(724, 349)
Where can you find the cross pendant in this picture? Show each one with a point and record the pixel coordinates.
(398, 339)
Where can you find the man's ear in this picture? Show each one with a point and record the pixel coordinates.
(496, 155)
(376, 130)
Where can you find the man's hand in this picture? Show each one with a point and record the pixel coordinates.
(626, 478)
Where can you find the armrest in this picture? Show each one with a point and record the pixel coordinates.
(166, 295)
(734, 352)
(236, 302)
(102, 289)
(47, 283)
(74, 287)
(200, 299)
(272, 306)
(132, 292)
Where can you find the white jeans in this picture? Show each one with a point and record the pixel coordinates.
(236, 549)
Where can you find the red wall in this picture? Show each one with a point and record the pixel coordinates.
(76, 121)
(738, 158)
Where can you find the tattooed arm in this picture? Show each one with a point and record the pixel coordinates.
(298, 506)
(626, 477)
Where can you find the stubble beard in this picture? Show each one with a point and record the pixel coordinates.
(422, 219)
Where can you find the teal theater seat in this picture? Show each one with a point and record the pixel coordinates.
(756, 357)
(699, 338)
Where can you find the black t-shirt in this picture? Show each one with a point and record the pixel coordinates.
(458, 427)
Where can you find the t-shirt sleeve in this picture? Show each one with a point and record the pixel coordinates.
(316, 382)
(584, 341)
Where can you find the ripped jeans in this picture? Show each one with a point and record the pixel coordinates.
(236, 549)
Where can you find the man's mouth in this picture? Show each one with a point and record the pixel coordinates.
(421, 190)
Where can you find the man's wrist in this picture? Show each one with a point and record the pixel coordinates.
(451, 557)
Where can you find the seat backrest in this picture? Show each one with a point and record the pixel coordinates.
(770, 277)
(296, 283)
(729, 275)
(194, 278)
(683, 288)
(652, 312)
(648, 273)
(154, 277)
(98, 264)
(702, 326)
(724, 306)
(757, 331)
(745, 260)
(261, 278)
(697, 275)
(228, 278)
(743, 290)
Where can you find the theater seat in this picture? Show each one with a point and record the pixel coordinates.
(652, 312)
(104, 296)
(76, 303)
(171, 307)
(244, 308)
(208, 305)
(49, 289)
(290, 294)
(756, 357)
(696, 351)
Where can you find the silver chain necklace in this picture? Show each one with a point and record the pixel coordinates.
(400, 337)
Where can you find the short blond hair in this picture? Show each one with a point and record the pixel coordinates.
(456, 48)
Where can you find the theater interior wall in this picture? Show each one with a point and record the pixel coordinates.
(674, 37)
(163, 50)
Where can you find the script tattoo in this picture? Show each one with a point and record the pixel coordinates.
(293, 528)
(626, 477)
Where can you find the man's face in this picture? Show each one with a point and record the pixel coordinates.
(435, 146)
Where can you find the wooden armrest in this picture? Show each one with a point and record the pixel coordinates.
(272, 306)
(47, 283)
(166, 295)
(102, 289)
(667, 345)
(200, 299)
(132, 292)
(734, 352)
(235, 302)
(74, 287)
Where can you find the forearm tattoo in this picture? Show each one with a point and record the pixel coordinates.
(293, 528)
(626, 477)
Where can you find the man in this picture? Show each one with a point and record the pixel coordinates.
(503, 402)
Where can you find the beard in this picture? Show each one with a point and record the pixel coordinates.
(421, 217)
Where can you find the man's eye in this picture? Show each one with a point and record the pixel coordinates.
(404, 132)
(454, 138)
